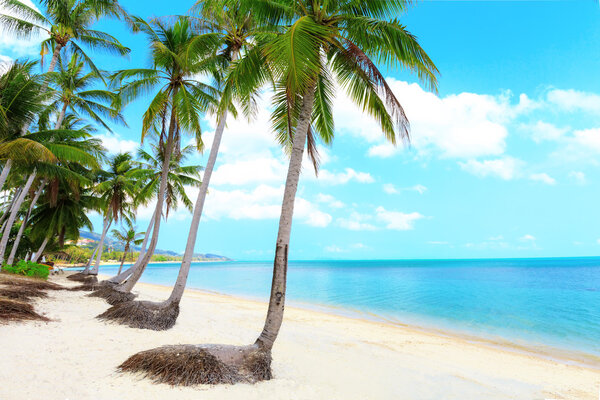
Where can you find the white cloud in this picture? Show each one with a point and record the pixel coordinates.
(340, 178)
(543, 131)
(391, 189)
(9, 43)
(397, 220)
(329, 200)
(543, 177)
(527, 238)
(578, 177)
(506, 168)
(465, 125)
(573, 100)
(257, 170)
(263, 202)
(598, 241)
(115, 144)
(338, 249)
(357, 222)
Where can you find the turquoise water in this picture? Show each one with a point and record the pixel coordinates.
(549, 302)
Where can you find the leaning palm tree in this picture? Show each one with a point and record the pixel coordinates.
(127, 236)
(116, 189)
(179, 56)
(237, 34)
(118, 288)
(322, 39)
(68, 24)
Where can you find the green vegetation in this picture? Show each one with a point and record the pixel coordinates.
(28, 268)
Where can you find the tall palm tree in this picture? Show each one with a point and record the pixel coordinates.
(320, 40)
(76, 90)
(127, 236)
(68, 24)
(150, 172)
(180, 98)
(116, 189)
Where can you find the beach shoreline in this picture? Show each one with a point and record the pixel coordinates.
(318, 355)
(551, 353)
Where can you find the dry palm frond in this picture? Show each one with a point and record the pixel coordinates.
(14, 310)
(143, 315)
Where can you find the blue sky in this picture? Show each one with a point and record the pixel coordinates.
(503, 161)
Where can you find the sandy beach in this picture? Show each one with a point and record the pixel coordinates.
(317, 356)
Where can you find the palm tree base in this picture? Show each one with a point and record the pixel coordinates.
(21, 293)
(81, 277)
(112, 294)
(188, 365)
(143, 315)
(15, 310)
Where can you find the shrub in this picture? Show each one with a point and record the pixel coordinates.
(29, 268)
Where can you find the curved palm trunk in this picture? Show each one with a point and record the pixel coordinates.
(9, 208)
(61, 116)
(184, 270)
(137, 269)
(13, 216)
(123, 259)
(107, 223)
(89, 263)
(278, 285)
(38, 254)
(11, 257)
(5, 171)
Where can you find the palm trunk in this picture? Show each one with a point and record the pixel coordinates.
(107, 222)
(5, 171)
(11, 257)
(136, 269)
(61, 116)
(13, 216)
(186, 263)
(9, 208)
(89, 263)
(278, 285)
(38, 254)
(145, 259)
(123, 259)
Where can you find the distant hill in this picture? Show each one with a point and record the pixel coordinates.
(109, 241)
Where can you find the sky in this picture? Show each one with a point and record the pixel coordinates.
(503, 160)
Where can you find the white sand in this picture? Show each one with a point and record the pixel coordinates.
(317, 356)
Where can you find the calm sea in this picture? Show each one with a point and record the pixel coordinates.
(548, 302)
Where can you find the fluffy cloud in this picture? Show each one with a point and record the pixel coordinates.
(357, 222)
(397, 220)
(506, 168)
(573, 100)
(543, 177)
(115, 144)
(263, 202)
(465, 125)
(391, 189)
(340, 178)
(329, 200)
(543, 131)
(527, 238)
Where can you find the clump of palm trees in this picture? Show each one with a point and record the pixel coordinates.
(215, 60)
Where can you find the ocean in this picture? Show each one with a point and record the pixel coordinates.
(545, 302)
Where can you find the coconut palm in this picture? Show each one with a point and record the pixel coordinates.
(321, 40)
(116, 189)
(149, 172)
(77, 90)
(68, 24)
(178, 56)
(127, 236)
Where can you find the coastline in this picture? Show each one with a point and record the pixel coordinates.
(550, 353)
(318, 355)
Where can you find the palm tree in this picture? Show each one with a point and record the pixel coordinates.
(320, 40)
(67, 22)
(149, 172)
(127, 236)
(179, 56)
(116, 189)
(72, 84)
